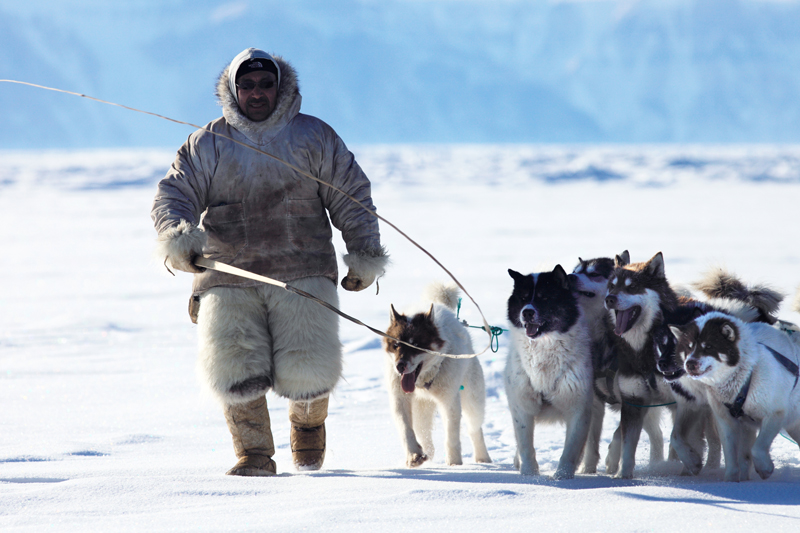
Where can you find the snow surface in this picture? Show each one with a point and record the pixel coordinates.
(104, 427)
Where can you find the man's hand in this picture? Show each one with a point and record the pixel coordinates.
(357, 282)
(185, 263)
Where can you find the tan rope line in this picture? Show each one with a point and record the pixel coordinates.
(228, 269)
(486, 327)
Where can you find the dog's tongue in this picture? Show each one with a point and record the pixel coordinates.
(408, 381)
(623, 318)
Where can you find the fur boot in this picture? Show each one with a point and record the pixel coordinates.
(252, 438)
(308, 433)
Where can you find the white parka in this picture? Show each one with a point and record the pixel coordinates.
(257, 213)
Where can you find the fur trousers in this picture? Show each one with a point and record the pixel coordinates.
(256, 338)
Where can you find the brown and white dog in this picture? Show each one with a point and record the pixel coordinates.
(420, 382)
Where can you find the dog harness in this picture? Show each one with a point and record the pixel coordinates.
(736, 408)
(791, 366)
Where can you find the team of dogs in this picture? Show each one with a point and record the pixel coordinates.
(611, 334)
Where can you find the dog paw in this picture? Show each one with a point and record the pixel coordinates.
(416, 459)
(529, 470)
(764, 469)
(483, 459)
(563, 474)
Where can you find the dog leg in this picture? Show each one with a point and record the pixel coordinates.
(747, 437)
(770, 428)
(423, 411)
(631, 421)
(591, 452)
(686, 422)
(652, 426)
(525, 460)
(714, 459)
(614, 451)
(401, 406)
(730, 434)
(451, 413)
(473, 400)
(577, 431)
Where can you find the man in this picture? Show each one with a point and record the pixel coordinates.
(229, 203)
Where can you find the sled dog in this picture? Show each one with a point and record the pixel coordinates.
(589, 282)
(751, 374)
(548, 373)
(419, 382)
(639, 295)
(726, 293)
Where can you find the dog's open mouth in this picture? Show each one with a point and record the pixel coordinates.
(670, 372)
(409, 381)
(626, 319)
(534, 329)
(697, 373)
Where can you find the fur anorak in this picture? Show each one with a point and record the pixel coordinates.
(253, 212)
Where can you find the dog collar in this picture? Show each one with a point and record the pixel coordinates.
(786, 362)
(736, 409)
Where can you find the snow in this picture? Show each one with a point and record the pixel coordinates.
(105, 428)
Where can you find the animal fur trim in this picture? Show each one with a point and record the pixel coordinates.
(288, 92)
(180, 243)
(368, 263)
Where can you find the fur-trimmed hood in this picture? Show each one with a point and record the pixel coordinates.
(287, 105)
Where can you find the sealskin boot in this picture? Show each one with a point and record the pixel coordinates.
(252, 438)
(308, 433)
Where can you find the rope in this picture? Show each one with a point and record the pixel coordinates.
(495, 333)
(486, 327)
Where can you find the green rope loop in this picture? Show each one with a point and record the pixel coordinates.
(495, 331)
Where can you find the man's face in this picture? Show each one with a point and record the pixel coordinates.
(258, 102)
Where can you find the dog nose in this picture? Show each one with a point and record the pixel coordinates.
(692, 365)
(528, 315)
(401, 367)
(611, 301)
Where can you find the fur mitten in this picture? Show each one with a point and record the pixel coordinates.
(180, 245)
(364, 266)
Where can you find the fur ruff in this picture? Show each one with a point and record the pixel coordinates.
(179, 243)
(368, 263)
(288, 97)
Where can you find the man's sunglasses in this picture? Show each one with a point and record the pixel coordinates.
(249, 85)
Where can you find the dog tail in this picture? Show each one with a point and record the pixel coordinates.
(719, 283)
(439, 293)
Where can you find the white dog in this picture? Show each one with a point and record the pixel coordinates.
(751, 371)
(419, 382)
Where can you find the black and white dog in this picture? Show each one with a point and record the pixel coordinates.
(548, 374)
(589, 282)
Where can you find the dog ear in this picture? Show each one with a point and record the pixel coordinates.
(656, 266)
(515, 275)
(729, 332)
(622, 259)
(396, 317)
(429, 314)
(561, 277)
(677, 331)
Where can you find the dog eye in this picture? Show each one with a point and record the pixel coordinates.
(395, 345)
